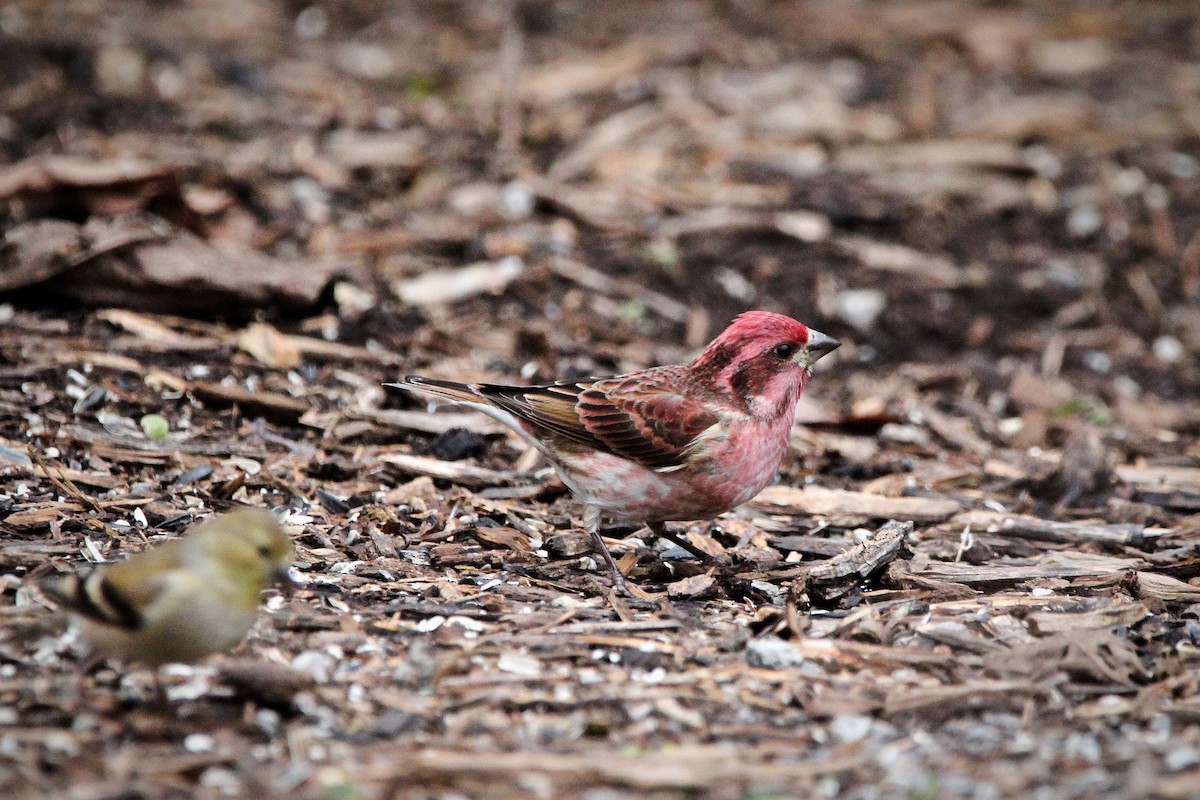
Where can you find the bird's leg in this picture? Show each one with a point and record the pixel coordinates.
(591, 520)
(661, 530)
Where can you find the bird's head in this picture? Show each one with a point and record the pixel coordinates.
(249, 545)
(762, 360)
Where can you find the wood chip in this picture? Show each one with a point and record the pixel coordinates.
(934, 271)
(846, 505)
(252, 403)
(424, 421)
(436, 287)
(269, 346)
(1043, 529)
(1051, 565)
(834, 578)
(458, 472)
(264, 682)
(693, 588)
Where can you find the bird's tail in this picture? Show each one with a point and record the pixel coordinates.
(458, 392)
(62, 589)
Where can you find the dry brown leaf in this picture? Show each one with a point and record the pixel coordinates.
(269, 346)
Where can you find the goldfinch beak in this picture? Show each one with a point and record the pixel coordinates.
(282, 578)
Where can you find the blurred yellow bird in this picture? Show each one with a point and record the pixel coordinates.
(182, 600)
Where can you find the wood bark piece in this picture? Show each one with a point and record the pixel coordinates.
(1046, 622)
(268, 345)
(809, 545)
(1159, 476)
(946, 700)
(570, 544)
(423, 421)
(694, 587)
(836, 577)
(805, 226)
(617, 131)
(437, 287)
(1045, 530)
(935, 154)
(928, 269)
(589, 628)
(269, 404)
(1164, 587)
(597, 281)
(467, 475)
(97, 480)
(147, 327)
(1053, 565)
(899, 574)
(146, 263)
(167, 449)
(846, 505)
(263, 681)
(848, 653)
(697, 769)
(37, 251)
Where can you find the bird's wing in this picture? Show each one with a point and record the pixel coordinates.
(643, 418)
(119, 594)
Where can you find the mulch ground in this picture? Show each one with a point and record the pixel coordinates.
(978, 575)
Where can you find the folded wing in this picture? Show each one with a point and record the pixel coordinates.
(645, 420)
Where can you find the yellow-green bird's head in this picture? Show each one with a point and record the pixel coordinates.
(248, 543)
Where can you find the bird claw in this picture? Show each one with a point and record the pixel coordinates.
(627, 589)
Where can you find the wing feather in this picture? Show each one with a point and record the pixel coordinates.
(118, 594)
(644, 418)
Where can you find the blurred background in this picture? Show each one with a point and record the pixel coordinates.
(977, 180)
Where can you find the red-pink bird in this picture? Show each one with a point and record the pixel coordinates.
(681, 442)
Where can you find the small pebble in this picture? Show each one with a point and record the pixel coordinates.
(771, 652)
(312, 22)
(1168, 349)
(850, 727)
(316, 663)
(1097, 361)
(517, 200)
(903, 434)
(516, 663)
(1083, 221)
(1183, 166)
(199, 743)
(861, 307)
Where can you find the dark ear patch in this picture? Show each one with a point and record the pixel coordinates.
(742, 383)
(717, 359)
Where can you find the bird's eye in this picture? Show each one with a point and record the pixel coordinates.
(264, 551)
(784, 350)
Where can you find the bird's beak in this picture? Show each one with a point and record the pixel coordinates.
(282, 578)
(818, 345)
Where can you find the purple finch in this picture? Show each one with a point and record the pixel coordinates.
(681, 442)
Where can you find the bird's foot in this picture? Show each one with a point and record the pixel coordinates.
(620, 585)
(632, 591)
